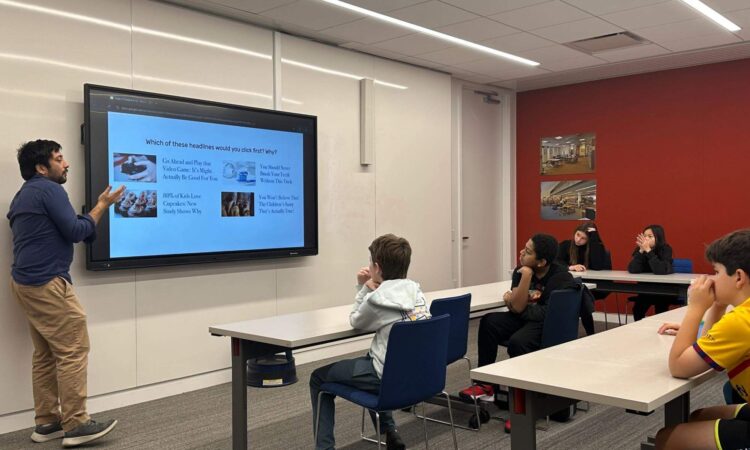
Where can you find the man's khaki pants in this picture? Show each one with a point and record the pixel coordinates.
(61, 346)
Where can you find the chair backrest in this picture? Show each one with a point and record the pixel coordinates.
(682, 265)
(415, 366)
(561, 318)
(459, 309)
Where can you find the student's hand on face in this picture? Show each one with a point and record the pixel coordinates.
(363, 274)
(642, 242)
(372, 284)
(526, 270)
(701, 293)
(669, 328)
(577, 268)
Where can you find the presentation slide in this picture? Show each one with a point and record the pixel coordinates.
(194, 187)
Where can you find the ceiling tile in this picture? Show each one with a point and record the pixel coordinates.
(517, 42)
(477, 29)
(493, 65)
(541, 15)
(489, 7)
(699, 42)
(253, 6)
(580, 29)
(382, 6)
(413, 44)
(649, 16)
(635, 52)
(476, 78)
(366, 31)
(452, 56)
(573, 63)
(742, 19)
(432, 14)
(312, 15)
(727, 5)
(681, 30)
(555, 53)
(599, 7)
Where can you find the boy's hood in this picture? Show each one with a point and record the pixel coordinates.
(399, 294)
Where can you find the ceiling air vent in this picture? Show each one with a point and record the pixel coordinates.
(614, 41)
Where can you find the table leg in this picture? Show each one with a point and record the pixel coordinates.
(522, 419)
(677, 411)
(239, 394)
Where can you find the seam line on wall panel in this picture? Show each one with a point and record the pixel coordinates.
(132, 72)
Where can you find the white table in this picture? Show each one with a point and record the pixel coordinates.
(271, 335)
(639, 283)
(624, 367)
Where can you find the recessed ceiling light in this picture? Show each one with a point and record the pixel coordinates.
(712, 14)
(558, 137)
(429, 32)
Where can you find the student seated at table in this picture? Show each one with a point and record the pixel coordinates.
(384, 296)
(585, 251)
(521, 326)
(651, 254)
(724, 344)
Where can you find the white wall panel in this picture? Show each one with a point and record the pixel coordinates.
(45, 58)
(326, 81)
(176, 305)
(182, 52)
(413, 167)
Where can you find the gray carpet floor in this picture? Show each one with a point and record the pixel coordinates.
(280, 418)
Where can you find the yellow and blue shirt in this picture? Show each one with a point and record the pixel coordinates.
(726, 346)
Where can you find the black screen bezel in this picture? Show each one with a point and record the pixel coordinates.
(97, 170)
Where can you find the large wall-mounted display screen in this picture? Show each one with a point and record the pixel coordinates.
(204, 181)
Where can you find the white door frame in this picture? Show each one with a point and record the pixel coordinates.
(507, 177)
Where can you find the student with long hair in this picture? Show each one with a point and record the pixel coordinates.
(585, 251)
(652, 254)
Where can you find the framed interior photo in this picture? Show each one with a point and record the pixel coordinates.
(571, 154)
(568, 200)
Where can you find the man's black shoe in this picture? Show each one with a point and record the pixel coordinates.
(87, 432)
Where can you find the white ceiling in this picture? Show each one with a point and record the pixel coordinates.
(534, 29)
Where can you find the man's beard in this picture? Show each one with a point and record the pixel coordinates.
(62, 178)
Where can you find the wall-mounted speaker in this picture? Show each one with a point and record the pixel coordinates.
(366, 122)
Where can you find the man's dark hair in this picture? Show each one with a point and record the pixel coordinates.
(545, 247)
(732, 251)
(35, 152)
(393, 255)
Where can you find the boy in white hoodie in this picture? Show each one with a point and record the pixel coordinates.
(384, 296)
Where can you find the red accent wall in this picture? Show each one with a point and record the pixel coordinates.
(673, 148)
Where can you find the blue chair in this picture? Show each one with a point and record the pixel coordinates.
(561, 326)
(682, 265)
(414, 371)
(459, 309)
(561, 319)
(679, 265)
